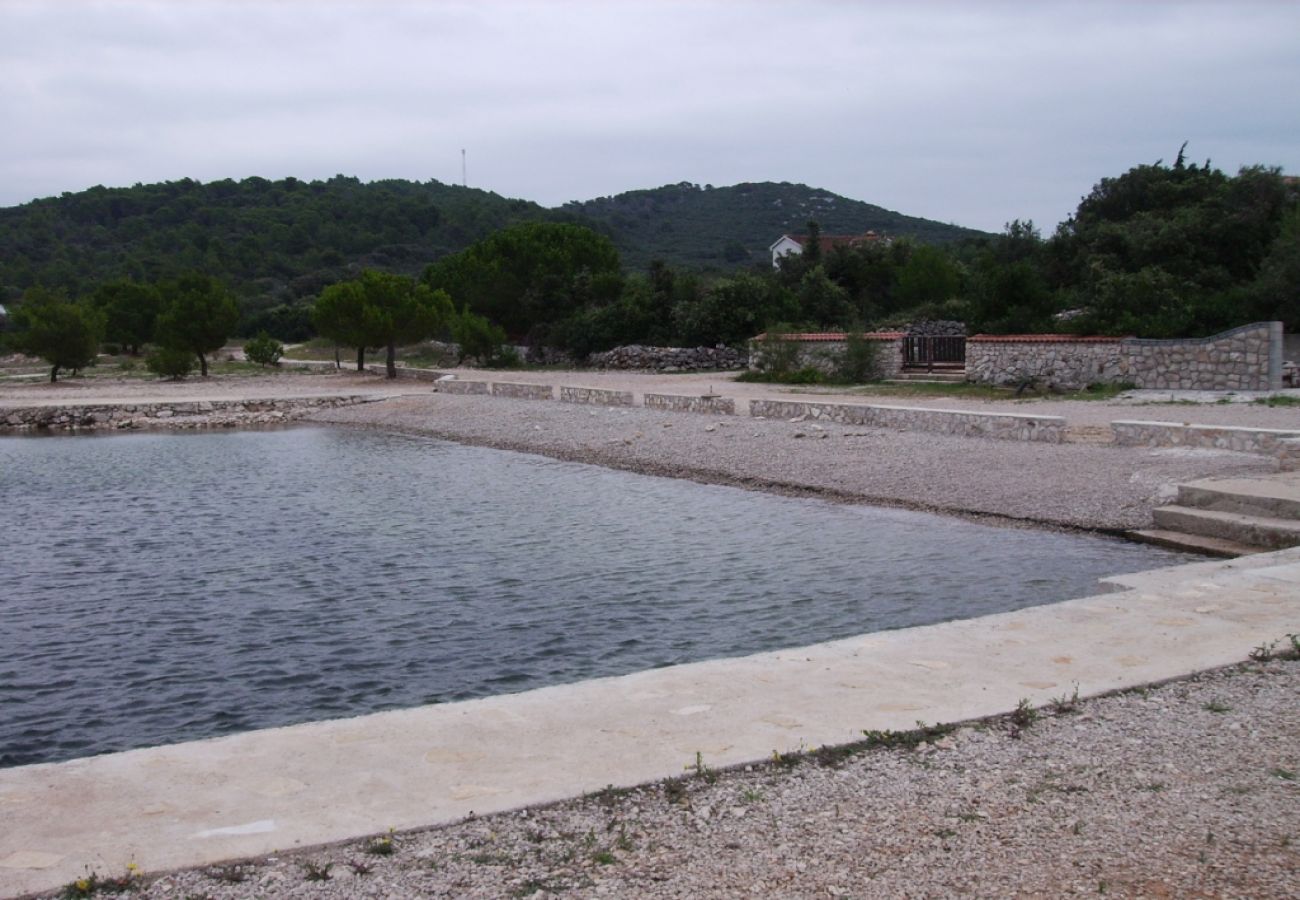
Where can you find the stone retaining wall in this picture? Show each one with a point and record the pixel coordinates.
(721, 406)
(1271, 441)
(668, 359)
(595, 396)
(1248, 358)
(823, 352)
(1000, 426)
(519, 390)
(456, 386)
(191, 414)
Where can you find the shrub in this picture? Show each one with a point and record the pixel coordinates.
(170, 362)
(264, 350)
(857, 363)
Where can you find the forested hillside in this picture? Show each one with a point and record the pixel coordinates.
(726, 227)
(275, 242)
(269, 241)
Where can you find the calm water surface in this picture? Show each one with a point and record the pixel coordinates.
(166, 587)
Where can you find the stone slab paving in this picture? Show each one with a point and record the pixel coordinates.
(262, 791)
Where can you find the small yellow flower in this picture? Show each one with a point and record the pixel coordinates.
(132, 868)
(83, 884)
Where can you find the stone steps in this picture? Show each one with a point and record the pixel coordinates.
(1230, 516)
(1193, 543)
(938, 376)
(1264, 532)
(1275, 497)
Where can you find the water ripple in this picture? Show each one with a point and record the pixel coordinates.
(169, 587)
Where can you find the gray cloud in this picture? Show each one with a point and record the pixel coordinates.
(974, 113)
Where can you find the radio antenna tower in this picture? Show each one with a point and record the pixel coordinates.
(463, 182)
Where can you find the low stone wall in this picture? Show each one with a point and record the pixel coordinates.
(668, 359)
(999, 426)
(721, 406)
(407, 372)
(1270, 441)
(1248, 358)
(191, 414)
(518, 390)
(823, 352)
(1288, 455)
(595, 396)
(457, 386)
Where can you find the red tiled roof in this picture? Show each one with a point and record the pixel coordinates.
(1046, 338)
(827, 242)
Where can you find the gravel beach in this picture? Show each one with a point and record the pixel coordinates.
(1070, 485)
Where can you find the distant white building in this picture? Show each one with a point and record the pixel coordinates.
(794, 243)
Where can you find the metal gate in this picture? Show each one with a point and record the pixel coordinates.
(932, 352)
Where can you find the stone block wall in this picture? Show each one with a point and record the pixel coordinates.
(721, 406)
(1270, 441)
(595, 396)
(998, 426)
(1248, 358)
(189, 414)
(824, 351)
(456, 386)
(1063, 360)
(519, 390)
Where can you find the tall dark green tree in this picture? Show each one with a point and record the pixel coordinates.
(380, 309)
(198, 315)
(63, 333)
(531, 275)
(131, 312)
(340, 315)
(1161, 251)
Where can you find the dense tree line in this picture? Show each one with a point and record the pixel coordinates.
(1159, 251)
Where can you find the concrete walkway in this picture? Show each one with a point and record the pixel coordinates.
(254, 793)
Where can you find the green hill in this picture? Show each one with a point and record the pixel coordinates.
(270, 240)
(733, 226)
(275, 242)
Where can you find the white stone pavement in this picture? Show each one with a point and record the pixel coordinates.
(254, 793)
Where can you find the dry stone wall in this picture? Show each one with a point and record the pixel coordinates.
(668, 359)
(1248, 358)
(193, 414)
(824, 352)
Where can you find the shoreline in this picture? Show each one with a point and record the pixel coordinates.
(746, 827)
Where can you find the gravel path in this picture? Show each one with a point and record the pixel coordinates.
(1185, 790)
(1079, 485)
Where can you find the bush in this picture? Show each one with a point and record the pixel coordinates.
(479, 338)
(858, 362)
(264, 350)
(170, 362)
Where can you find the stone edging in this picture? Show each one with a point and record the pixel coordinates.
(1000, 426)
(1284, 444)
(186, 414)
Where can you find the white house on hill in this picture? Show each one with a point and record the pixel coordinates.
(794, 243)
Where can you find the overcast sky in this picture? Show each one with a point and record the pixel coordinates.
(974, 112)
